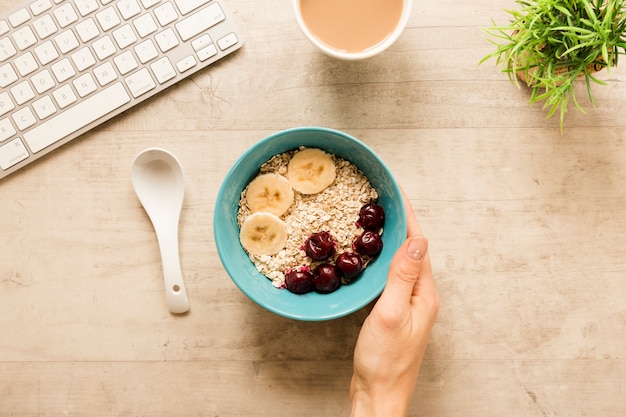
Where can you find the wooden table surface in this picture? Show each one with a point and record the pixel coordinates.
(527, 229)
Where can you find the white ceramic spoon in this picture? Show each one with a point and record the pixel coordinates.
(157, 177)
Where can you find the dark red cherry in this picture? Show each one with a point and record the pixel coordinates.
(319, 246)
(369, 243)
(299, 282)
(326, 278)
(350, 264)
(371, 217)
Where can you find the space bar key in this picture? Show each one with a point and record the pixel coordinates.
(76, 117)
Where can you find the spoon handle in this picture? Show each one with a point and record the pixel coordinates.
(175, 292)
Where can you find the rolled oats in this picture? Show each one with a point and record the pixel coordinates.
(335, 209)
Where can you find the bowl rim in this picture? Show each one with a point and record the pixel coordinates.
(218, 226)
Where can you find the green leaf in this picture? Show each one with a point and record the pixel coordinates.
(553, 42)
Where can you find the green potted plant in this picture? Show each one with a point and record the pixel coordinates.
(549, 44)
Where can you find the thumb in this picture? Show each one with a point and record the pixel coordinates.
(405, 270)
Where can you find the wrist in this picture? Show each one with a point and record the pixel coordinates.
(368, 404)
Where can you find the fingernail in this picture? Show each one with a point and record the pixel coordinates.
(417, 247)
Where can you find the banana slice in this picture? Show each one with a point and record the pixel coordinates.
(263, 233)
(311, 170)
(271, 193)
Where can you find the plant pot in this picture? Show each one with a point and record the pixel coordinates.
(591, 68)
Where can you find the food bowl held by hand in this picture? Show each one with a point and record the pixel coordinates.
(312, 306)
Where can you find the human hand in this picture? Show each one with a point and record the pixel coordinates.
(393, 339)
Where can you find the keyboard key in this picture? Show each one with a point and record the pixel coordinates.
(227, 41)
(45, 26)
(124, 36)
(140, 82)
(166, 40)
(87, 30)
(201, 42)
(46, 52)
(24, 37)
(206, 53)
(44, 107)
(86, 6)
(4, 27)
(6, 129)
(104, 47)
(166, 13)
(145, 25)
(66, 41)
(83, 59)
(12, 153)
(186, 63)
(64, 96)
(125, 62)
(149, 3)
(42, 81)
(24, 118)
(65, 15)
(19, 17)
(200, 21)
(146, 51)
(7, 50)
(76, 117)
(22, 92)
(85, 85)
(6, 104)
(7, 75)
(128, 8)
(185, 6)
(40, 6)
(105, 73)
(163, 70)
(26, 64)
(108, 18)
(63, 70)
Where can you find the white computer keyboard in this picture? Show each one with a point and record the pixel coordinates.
(68, 65)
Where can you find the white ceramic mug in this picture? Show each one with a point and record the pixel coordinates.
(391, 36)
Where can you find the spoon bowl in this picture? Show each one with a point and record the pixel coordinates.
(158, 180)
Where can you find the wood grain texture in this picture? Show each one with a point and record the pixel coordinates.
(527, 233)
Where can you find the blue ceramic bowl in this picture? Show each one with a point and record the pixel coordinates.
(312, 306)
